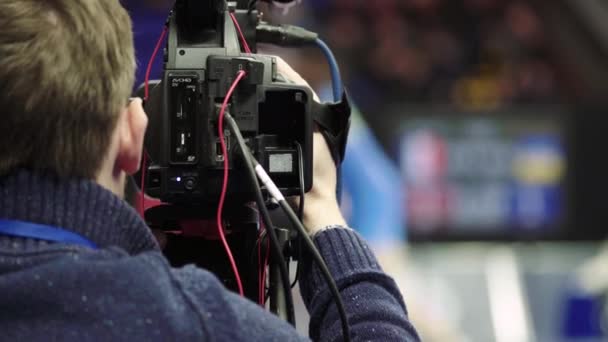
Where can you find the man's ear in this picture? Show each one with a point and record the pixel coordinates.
(131, 130)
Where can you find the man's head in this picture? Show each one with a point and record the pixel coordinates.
(66, 72)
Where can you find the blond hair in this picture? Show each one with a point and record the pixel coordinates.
(66, 70)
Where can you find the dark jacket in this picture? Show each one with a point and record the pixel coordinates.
(126, 291)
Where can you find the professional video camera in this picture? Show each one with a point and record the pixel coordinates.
(201, 62)
(211, 79)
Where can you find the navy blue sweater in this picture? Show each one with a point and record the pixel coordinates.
(127, 291)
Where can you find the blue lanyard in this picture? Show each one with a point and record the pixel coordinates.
(42, 232)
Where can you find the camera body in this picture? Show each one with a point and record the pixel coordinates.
(201, 61)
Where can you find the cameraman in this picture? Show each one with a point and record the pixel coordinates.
(77, 262)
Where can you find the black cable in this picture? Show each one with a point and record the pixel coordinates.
(300, 209)
(301, 178)
(321, 263)
(258, 242)
(285, 35)
(308, 242)
(248, 158)
(274, 241)
(252, 5)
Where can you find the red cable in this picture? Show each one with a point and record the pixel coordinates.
(146, 93)
(240, 75)
(264, 270)
(158, 43)
(263, 266)
(238, 28)
(260, 285)
(220, 129)
(143, 184)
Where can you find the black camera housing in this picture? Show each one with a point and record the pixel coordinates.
(201, 60)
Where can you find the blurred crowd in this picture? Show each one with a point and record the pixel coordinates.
(472, 53)
(475, 54)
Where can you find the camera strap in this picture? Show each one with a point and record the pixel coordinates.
(334, 121)
(42, 232)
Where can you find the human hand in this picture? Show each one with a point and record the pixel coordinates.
(321, 207)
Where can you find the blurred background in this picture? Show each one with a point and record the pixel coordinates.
(476, 164)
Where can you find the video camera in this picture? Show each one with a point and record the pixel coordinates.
(206, 74)
(201, 60)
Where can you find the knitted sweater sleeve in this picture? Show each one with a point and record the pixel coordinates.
(374, 305)
(375, 308)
